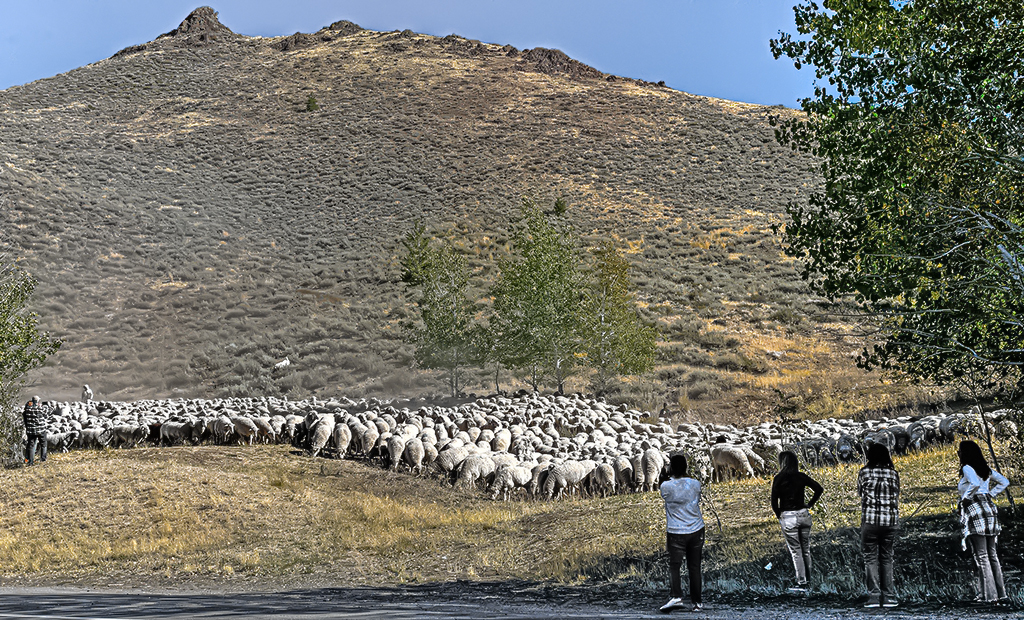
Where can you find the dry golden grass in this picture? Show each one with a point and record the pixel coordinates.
(242, 515)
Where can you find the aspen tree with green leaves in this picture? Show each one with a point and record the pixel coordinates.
(444, 333)
(23, 347)
(617, 341)
(539, 300)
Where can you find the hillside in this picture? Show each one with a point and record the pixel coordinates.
(191, 223)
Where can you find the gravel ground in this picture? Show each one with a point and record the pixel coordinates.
(451, 601)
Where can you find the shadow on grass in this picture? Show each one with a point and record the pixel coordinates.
(931, 569)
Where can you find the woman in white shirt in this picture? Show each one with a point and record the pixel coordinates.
(685, 537)
(979, 518)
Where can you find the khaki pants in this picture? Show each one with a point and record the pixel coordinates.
(796, 529)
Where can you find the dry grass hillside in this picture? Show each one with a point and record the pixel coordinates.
(191, 223)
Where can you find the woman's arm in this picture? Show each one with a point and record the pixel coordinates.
(775, 496)
(1000, 486)
(816, 490)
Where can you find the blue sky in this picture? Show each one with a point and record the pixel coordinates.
(706, 47)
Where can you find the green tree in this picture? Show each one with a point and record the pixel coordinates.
(617, 341)
(537, 318)
(916, 126)
(23, 347)
(445, 334)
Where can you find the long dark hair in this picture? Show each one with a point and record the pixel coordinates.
(677, 465)
(970, 454)
(788, 463)
(879, 457)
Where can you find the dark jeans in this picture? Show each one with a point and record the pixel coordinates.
(30, 450)
(877, 542)
(691, 547)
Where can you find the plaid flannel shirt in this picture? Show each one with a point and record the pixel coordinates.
(879, 490)
(36, 418)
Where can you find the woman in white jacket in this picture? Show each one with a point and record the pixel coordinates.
(979, 518)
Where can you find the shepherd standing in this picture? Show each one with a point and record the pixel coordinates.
(36, 416)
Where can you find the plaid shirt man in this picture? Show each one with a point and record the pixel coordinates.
(879, 490)
(36, 416)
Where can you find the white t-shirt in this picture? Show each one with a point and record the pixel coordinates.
(971, 484)
(682, 505)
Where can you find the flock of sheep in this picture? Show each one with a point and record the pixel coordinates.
(544, 446)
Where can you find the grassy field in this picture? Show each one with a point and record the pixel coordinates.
(265, 517)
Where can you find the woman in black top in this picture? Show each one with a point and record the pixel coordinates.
(790, 506)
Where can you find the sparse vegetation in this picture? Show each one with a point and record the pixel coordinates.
(186, 515)
(245, 230)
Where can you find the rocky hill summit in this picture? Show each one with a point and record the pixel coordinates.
(193, 220)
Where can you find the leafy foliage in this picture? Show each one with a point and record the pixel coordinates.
(444, 335)
(539, 300)
(617, 341)
(916, 124)
(22, 347)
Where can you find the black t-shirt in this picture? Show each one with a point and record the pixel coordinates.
(788, 492)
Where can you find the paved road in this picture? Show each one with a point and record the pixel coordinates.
(447, 601)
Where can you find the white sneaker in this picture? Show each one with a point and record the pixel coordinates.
(673, 603)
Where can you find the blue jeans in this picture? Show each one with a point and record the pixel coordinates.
(990, 572)
(31, 448)
(796, 528)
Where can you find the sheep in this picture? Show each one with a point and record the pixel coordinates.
(129, 435)
(341, 438)
(448, 460)
(413, 454)
(173, 432)
(245, 428)
(265, 430)
(728, 460)
(538, 475)
(848, 448)
(567, 475)
(62, 442)
(507, 478)
(320, 433)
(222, 429)
(602, 480)
(623, 473)
(395, 447)
(474, 468)
(651, 463)
(94, 437)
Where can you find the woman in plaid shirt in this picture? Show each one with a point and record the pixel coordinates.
(878, 485)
